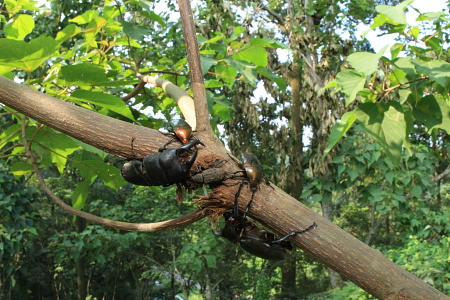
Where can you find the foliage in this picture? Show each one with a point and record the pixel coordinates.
(19, 210)
(399, 91)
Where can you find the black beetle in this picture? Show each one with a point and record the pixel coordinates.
(253, 239)
(178, 129)
(165, 167)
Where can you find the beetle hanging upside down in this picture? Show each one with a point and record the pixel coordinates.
(165, 167)
(257, 241)
(253, 172)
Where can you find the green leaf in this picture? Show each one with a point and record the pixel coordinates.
(210, 260)
(267, 43)
(339, 129)
(396, 49)
(27, 56)
(437, 70)
(20, 27)
(92, 168)
(154, 17)
(137, 33)
(247, 70)
(365, 62)
(350, 83)
(395, 13)
(83, 74)
(86, 17)
(434, 112)
(207, 63)
(222, 111)
(21, 168)
(68, 32)
(386, 123)
(272, 76)
(61, 146)
(254, 54)
(79, 194)
(104, 100)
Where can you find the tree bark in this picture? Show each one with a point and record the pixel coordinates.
(281, 213)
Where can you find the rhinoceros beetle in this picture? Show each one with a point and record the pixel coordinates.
(253, 239)
(179, 129)
(252, 171)
(165, 167)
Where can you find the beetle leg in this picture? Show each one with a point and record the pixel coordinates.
(132, 149)
(236, 197)
(314, 225)
(249, 204)
(165, 145)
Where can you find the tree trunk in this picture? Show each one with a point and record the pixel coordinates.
(288, 279)
(327, 212)
(366, 267)
(80, 264)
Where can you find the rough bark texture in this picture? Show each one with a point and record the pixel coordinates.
(275, 209)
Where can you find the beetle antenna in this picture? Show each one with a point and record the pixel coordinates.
(314, 225)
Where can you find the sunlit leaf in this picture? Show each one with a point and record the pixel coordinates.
(27, 56)
(19, 27)
(256, 55)
(437, 70)
(350, 83)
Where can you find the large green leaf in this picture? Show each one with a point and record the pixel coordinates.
(254, 54)
(104, 100)
(137, 33)
(247, 70)
(437, 70)
(20, 27)
(60, 146)
(80, 194)
(27, 56)
(83, 74)
(386, 123)
(434, 112)
(365, 62)
(350, 83)
(92, 168)
(207, 63)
